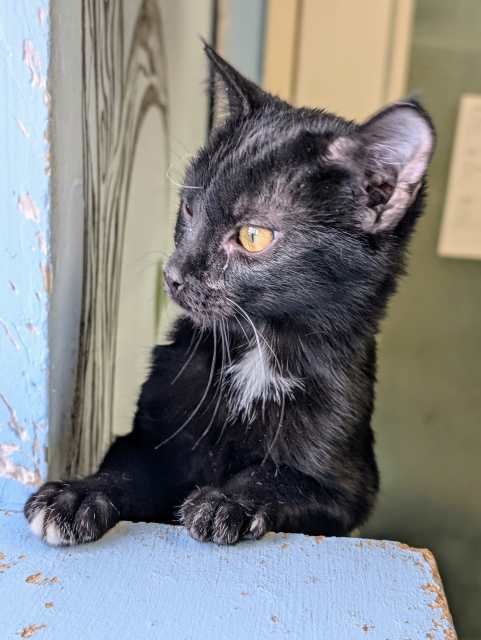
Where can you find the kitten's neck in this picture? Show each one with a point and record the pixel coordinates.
(275, 367)
(257, 375)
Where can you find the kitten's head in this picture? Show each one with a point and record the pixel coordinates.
(295, 215)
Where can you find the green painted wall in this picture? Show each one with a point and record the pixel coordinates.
(428, 417)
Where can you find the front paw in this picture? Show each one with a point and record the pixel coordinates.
(67, 513)
(208, 514)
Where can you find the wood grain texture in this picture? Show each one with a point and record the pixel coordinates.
(123, 79)
(154, 581)
(348, 57)
(281, 47)
(25, 267)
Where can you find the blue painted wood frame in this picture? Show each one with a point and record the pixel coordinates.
(25, 273)
(154, 581)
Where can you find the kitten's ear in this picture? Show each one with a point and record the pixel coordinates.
(396, 147)
(232, 95)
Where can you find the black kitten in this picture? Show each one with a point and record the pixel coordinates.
(290, 237)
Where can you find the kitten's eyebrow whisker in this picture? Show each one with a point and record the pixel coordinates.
(204, 395)
(178, 184)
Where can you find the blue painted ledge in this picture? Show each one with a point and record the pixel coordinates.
(154, 581)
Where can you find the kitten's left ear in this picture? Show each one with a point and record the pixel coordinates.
(232, 94)
(396, 147)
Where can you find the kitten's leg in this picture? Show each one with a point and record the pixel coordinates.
(266, 498)
(77, 511)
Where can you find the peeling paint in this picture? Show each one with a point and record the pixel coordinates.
(23, 128)
(47, 163)
(31, 630)
(32, 328)
(47, 276)
(367, 628)
(42, 242)
(23, 378)
(39, 579)
(32, 60)
(439, 603)
(28, 207)
(9, 335)
(13, 422)
(42, 16)
(18, 472)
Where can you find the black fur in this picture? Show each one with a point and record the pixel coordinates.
(343, 200)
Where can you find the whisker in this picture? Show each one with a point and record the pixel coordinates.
(204, 396)
(189, 357)
(178, 184)
(266, 342)
(256, 336)
(278, 430)
(219, 394)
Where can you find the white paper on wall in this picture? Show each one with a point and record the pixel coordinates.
(460, 235)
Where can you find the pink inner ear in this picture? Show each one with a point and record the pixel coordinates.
(399, 142)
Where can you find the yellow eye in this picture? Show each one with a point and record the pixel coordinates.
(255, 239)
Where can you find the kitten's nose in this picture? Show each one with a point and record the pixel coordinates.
(173, 277)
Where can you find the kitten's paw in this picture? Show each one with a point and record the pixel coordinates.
(208, 514)
(67, 513)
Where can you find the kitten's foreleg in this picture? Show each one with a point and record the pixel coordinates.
(77, 511)
(269, 498)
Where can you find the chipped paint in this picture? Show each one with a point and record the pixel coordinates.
(31, 630)
(9, 335)
(39, 579)
(24, 245)
(23, 128)
(31, 58)
(32, 328)
(14, 471)
(13, 422)
(42, 242)
(28, 208)
(47, 277)
(42, 16)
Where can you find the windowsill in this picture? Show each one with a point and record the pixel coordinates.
(147, 580)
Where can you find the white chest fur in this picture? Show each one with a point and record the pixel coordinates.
(254, 377)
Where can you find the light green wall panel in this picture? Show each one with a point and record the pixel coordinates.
(428, 417)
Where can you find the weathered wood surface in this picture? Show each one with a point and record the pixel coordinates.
(154, 581)
(25, 268)
(121, 83)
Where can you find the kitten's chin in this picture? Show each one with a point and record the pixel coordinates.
(204, 316)
(202, 310)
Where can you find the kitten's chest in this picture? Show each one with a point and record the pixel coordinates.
(254, 379)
